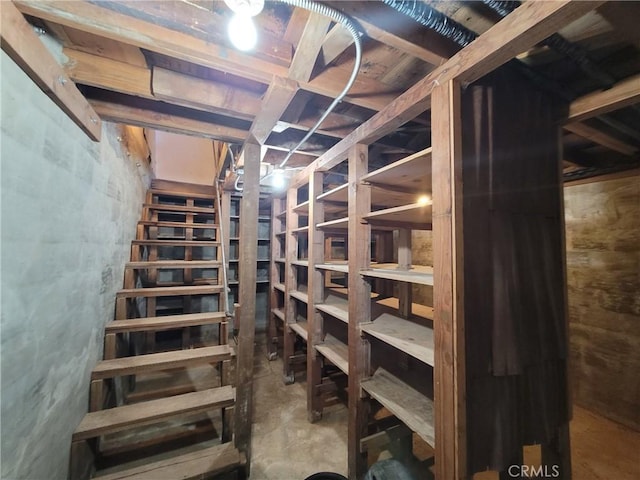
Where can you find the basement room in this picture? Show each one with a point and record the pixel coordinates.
(320, 240)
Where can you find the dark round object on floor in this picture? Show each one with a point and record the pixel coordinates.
(326, 476)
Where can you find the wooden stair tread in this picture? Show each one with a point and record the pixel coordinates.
(166, 322)
(179, 208)
(193, 465)
(174, 264)
(176, 243)
(206, 226)
(120, 418)
(160, 361)
(169, 291)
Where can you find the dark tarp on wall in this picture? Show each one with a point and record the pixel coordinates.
(516, 334)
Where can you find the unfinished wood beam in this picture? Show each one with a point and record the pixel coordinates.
(24, 47)
(601, 138)
(203, 94)
(247, 293)
(359, 244)
(91, 18)
(291, 253)
(106, 73)
(335, 42)
(163, 121)
(308, 47)
(275, 101)
(448, 292)
(519, 31)
(624, 93)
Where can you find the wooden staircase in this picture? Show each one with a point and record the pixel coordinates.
(170, 318)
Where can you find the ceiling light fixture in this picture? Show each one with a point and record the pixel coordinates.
(424, 200)
(278, 181)
(241, 29)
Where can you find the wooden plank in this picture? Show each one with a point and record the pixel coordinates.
(106, 73)
(409, 337)
(300, 230)
(168, 322)
(300, 263)
(525, 27)
(302, 208)
(280, 92)
(299, 295)
(189, 466)
(247, 293)
(194, 92)
(623, 94)
(337, 194)
(411, 407)
(151, 292)
(601, 138)
(336, 352)
(121, 418)
(308, 47)
(278, 312)
(160, 361)
(341, 312)
(448, 294)
(359, 244)
(405, 290)
(167, 122)
(410, 173)
(301, 329)
(182, 189)
(179, 208)
(200, 226)
(334, 266)
(176, 243)
(24, 47)
(179, 264)
(418, 274)
(337, 40)
(417, 310)
(415, 215)
(338, 223)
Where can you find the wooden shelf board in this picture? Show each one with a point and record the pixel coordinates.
(302, 207)
(300, 230)
(335, 310)
(415, 215)
(299, 295)
(411, 407)
(300, 263)
(279, 286)
(410, 173)
(339, 223)
(336, 352)
(300, 328)
(337, 266)
(280, 260)
(409, 337)
(337, 194)
(278, 312)
(417, 310)
(418, 274)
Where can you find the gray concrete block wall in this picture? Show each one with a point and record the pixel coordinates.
(69, 208)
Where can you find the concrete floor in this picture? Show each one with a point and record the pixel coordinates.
(285, 446)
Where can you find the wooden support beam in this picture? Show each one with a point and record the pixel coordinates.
(624, 93)
(359, 243)
(280, 92)
(335, 42)
(448, 292)
(601, 138)
(204, 94)
(24, 47)
(308, 47)
(405, 297)
(88, 17)
(520, 30)
(291, 253)
(315, 286)
(248, 253)
(163, 121)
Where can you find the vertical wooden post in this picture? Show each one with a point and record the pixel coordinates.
(290, 282)
(225, 225)
(449, 370)
(359, 305)
(246, 335)
(405, 297)
(274, 277)
(316, 289)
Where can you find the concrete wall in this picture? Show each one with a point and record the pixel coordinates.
(603, 276)
(69, 208)
(181, 158)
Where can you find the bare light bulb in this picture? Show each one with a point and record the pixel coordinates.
(278, 180)
(424, 200)
(242, 32)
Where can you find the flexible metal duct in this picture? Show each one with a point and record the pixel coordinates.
(433, 19)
